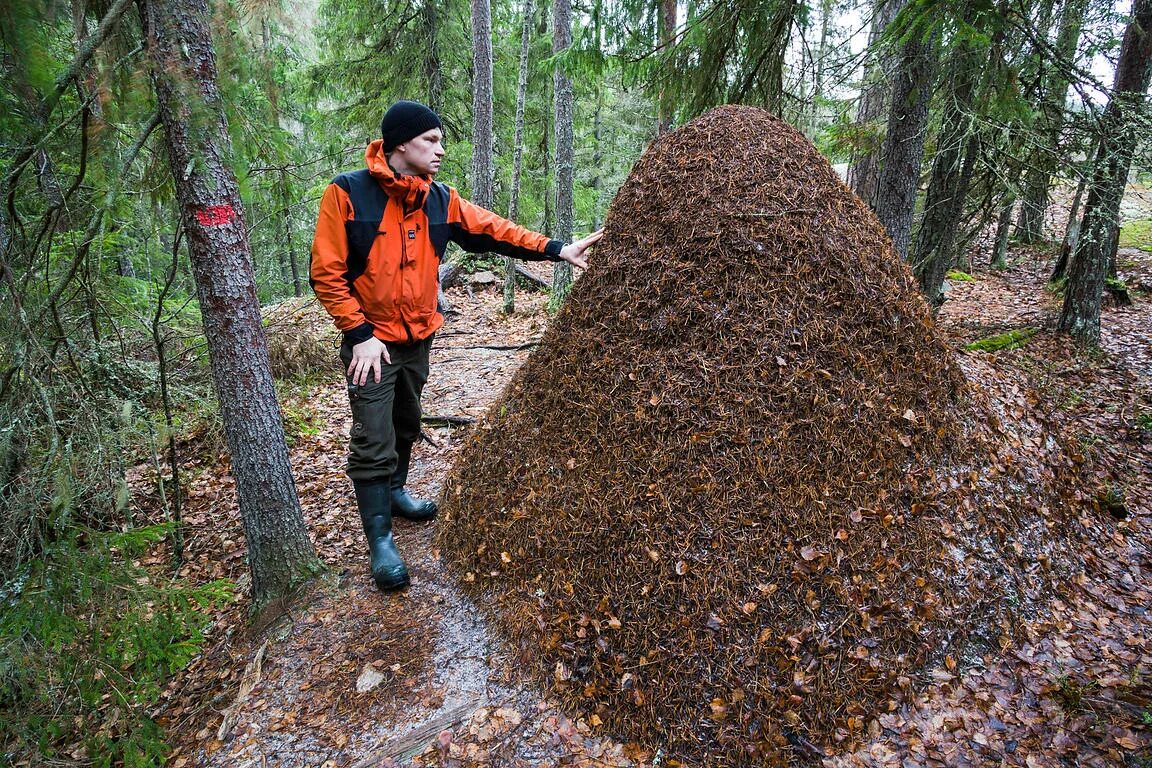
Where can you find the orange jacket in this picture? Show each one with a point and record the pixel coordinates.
(376, 270)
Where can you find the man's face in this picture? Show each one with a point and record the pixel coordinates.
(420, 155)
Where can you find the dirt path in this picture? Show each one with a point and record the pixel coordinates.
(351, 677)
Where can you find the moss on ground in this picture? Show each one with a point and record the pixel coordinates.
(1017, 337)
(1137, 234)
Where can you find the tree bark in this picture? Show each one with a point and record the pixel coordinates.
(864, 173)
(1120, 126)
(482, 140)
(1003, 226)
(518, 153)
(183, 61)
(565, 144)
(432, 71)
(667, 15)
(932, 257)
(1071, 232)
(903, 149)
(286, 214)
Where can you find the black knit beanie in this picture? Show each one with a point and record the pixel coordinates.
(406, 120)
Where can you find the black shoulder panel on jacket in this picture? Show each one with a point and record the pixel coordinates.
(368, 197)
(368, 202)
(436, 209)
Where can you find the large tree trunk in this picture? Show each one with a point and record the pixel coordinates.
(565, 144)
(518, 153)
(932, 257)
(864, 173)
(482, 139)
(903, 150)
(184, 76)
(1120, 128)
(1053, 95)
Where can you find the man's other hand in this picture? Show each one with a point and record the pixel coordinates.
(366, 357)
(573, 253)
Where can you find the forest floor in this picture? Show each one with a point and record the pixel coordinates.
(347, 676)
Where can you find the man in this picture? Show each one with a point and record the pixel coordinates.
(379, 239)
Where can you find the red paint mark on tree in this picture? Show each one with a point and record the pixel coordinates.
(215, 215)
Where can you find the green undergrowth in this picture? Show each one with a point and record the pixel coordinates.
(1137, 234)
(1012, 339)
(299, 419)
(88, 637)
(960, 276)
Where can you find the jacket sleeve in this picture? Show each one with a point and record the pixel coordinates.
(478, 230)
(329, 267)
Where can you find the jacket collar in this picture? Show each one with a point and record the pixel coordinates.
(411, 190)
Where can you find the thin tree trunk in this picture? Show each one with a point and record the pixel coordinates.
(289, 243)
(280, 553)
(482, 139)
(1080, 315)
(549, 196)
(597, 154)
(1071, 231)
(667, 13)
(160, 341)
(432, 71)
(932, 257)
(903, 149)
(864, 173)
(1053, 95)
(1003, 227)
(518, 153)
(565, 144)
(818, 69)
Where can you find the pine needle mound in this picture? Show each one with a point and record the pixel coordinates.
(301, 338)
(742, 494)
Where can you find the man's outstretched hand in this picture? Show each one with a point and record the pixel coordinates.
(573, 253)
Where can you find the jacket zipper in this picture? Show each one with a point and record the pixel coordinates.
(403, 266)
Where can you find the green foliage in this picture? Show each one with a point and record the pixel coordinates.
(959, 276)
(87, 639)
(1017, 337)
(843, 139)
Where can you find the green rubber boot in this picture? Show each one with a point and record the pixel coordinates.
(402, 504)
(374, 501)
